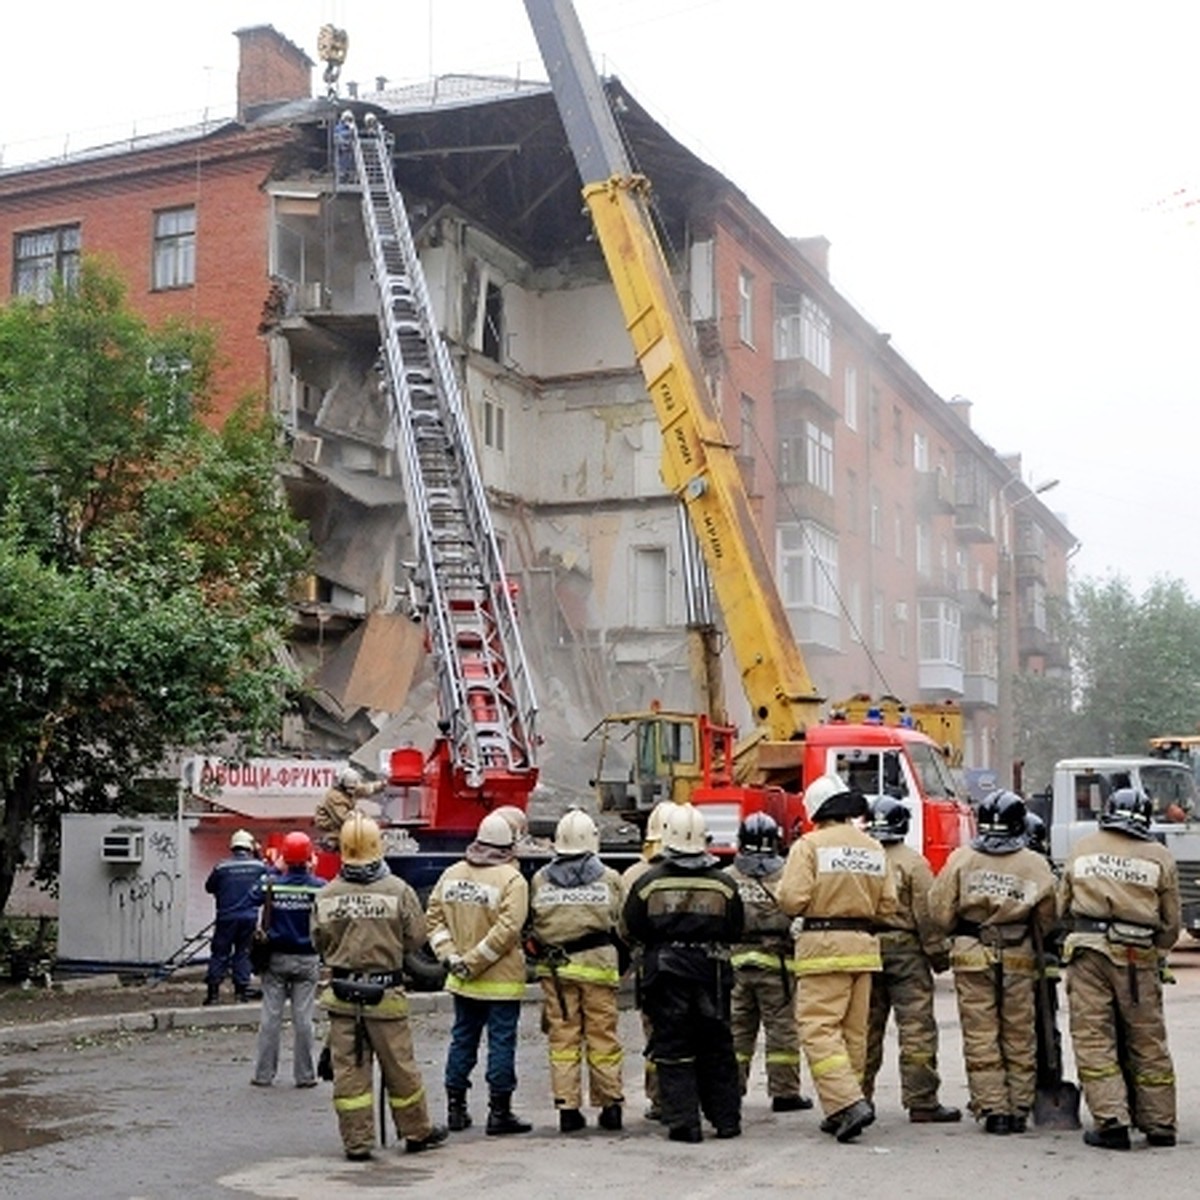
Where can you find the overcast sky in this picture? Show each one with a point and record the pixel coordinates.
(1012, 190)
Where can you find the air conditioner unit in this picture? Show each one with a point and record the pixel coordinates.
(123, 846)
(900, 611)
(306, 448)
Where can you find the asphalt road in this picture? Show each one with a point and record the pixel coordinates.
(167, 1114)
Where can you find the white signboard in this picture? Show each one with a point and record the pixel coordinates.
(217, 778)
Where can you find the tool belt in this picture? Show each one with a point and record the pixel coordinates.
(363, 987)
(1120, 933)
(1010, 934)
(819, 924)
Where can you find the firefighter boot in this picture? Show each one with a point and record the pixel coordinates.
(610, 1117)
(501, 1118)
(457, 1117)
(571, 1120)
(213, 995)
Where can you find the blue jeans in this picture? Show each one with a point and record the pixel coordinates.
(471, 1017)
(231, 950)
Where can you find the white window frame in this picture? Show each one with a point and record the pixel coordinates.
(746, 307)
(940, 632)
(920, 452)
(648, 592)
(818, 457)
(808, 566)
(43, 257)
(174, 258)
(850, 396)
(816, 335)
(495, 425)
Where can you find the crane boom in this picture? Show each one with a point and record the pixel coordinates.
(698, 463)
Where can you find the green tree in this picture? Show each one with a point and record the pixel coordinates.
(145, 560)
(1136, 662)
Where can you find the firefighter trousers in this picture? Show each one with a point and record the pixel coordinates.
(764, 997)
(580, 1020)
(831, 1012)
(999, 1040)
(1120, 1044)
(389, 1040)
(693, 1051)
(905, 987)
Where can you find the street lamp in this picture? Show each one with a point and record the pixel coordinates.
(1005, 587)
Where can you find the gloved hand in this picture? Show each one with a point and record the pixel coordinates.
(939, 962)
(1165, 974)
(457, 965)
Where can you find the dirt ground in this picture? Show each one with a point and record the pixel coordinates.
(102, 996)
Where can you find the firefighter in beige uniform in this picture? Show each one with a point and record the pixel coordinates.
(575, 911)
(651, 853)
(764, 978)
(476, 913)
(836, 878)
(912, 949)
(1120, 895)
(988, 896)
(339, 802)
(362, 923)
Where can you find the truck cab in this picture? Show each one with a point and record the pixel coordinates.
(1082, 785)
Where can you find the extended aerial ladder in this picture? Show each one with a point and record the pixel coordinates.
(486, 754)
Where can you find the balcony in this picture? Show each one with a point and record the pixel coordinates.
(796, 379)
(980, 690)
(978, 608)
(1032, 639)
(945, 679)
(809, 503)
(1029, 563)
(937, 582)
(816, 631)
(971, 522)
(934, 493)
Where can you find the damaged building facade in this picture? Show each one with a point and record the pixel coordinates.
(904, 545)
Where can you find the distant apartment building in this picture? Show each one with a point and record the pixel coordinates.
(911, 558)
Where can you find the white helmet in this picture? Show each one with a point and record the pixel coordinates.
(830, 798)
(576, 833)
(516, 817)
(684, 830)
(657, 819)
(348, 778)
(241, 840)
(494, 830)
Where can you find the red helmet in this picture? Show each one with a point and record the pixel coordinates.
(297, 848)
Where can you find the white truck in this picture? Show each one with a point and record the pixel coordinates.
(1078, 793)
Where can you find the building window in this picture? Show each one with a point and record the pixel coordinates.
(850, 399)
(924, 548)
(854, 613)
(808, 566)
(899, 532)
(493, 321)
(649, 592)
(902, 630)
(493, 424)
(897, 435)
(803, 329)
(873, 420)
(876, 518)
(819, 457)
(174, 248)
(748, 432)
(852, 518)
(920, 452)
(746, 307)
(941, 633)
(44, 257)
(878, 638)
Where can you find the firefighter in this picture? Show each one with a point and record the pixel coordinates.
(575, 910)
(476, 913)
(339, 802)
(836, 878)
(651, 853)
(363, 923)
(232, 882)
(1049, 1039)
(288, 899)
(764, 981)
(989, 896)
(1120, 893)
(912, 949)
(685, 912)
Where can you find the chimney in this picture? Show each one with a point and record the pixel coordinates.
(271, 70)
(960, 406)
(816, 250)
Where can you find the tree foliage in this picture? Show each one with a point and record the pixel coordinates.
(1136, 664)
(145, 560)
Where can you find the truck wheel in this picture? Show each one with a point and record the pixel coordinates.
(425, 973)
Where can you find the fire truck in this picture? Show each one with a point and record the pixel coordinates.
(792, 743)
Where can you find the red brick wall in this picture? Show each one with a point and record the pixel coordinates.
(270, 69)
(115, 207)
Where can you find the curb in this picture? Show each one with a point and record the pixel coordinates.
(165, 1020)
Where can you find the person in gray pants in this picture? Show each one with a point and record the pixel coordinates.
(287, 902)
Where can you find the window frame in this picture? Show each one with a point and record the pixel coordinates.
(59, 263)
(173, 251)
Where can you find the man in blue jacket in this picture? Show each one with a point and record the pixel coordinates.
(293, 970)
(232, 882)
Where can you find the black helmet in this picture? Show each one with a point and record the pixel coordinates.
(759, 834)
(889, 820)
(1036, 834)
(1001, 822)
(1128, 810)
